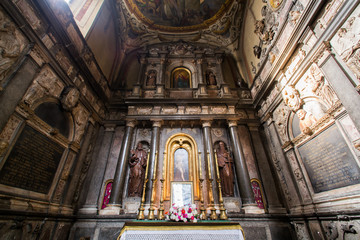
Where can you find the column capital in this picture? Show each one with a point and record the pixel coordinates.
(206, 122)
(253, 126)
(109, 127)
(131, 123)
(157, 122)
(232, 122)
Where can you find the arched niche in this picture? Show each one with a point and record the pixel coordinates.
(183, 145)
(181, 64)
(50, 111)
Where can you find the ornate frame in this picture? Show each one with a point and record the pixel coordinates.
(179, 69)
(176, 141)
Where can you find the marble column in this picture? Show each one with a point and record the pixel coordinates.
(155, 138)
(94, 192)
(242, 174)
(206, 124)
(115, 202)
(270, 188)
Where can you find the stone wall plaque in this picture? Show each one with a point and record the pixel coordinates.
(32, 163)
(329, 162)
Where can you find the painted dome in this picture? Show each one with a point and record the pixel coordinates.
(178, 15)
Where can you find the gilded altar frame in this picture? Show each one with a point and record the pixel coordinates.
(176, 141)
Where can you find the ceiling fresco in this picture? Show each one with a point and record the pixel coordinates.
(178, 15)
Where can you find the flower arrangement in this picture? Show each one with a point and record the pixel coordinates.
(187, 213)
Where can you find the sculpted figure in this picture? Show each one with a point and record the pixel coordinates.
(226, 173)
(292, 98)
(70, 98)
(151, 79)
(211, 78)
(306, 121)
(137, 171)
(319, 87)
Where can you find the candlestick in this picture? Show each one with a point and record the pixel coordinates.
(141, 215)
(223, 215)
(200, 170)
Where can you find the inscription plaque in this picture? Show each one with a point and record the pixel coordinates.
(329, 162)
(32, 163)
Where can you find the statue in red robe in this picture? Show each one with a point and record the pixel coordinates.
(138, 161)
(226, 172)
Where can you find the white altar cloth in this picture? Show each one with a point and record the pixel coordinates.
(182, 231)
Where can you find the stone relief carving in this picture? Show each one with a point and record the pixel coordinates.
(347, 43)
(265, 30)
(9, 129)
(292, 98)
(281, 115)
(81, 116)
(332, 231)
(301, 231)
(11, 45)
(69, 98)
(218, 132)
(320, 87)
(193, 110)
(295, 63)
(218, 109)
(144, 110)
(45, 84)
(169, 109)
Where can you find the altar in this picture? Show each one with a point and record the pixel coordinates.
(179, 230)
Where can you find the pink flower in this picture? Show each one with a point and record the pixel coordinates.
(192, 217)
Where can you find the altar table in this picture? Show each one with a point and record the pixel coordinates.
(181, 231)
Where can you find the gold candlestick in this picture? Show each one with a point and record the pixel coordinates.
(223, 215)
(161, 215)
(202, 209)
(211, 196)
(152, 208)
(141, 215)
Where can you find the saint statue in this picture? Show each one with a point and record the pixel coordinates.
(226, 173)
(151, 79)
(211, 78)
(138, 161)
(306, 121)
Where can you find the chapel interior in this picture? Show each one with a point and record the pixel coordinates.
(112, 111)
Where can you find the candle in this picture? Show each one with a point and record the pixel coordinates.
(209, 169)
(200, 170)
(216, 165)
(155, 165)
(147, 165)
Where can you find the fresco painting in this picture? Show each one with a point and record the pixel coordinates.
(179, 13)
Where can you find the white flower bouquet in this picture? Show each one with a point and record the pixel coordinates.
(187, 213)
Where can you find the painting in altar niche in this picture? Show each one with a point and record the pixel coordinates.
(225, 164)
(181, 78)
(178, 13)
(137, 163)
(181, 165)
